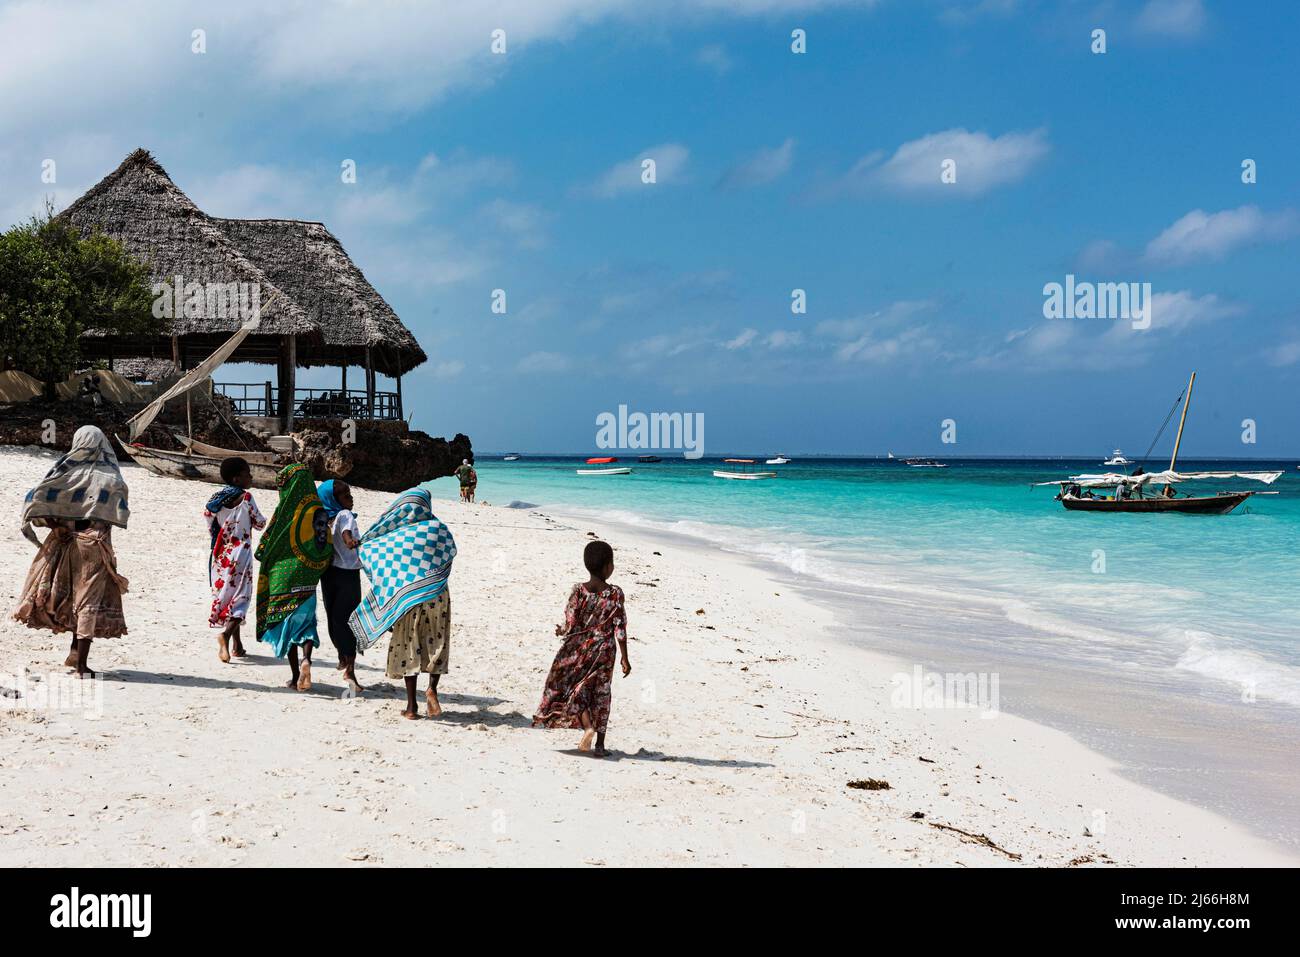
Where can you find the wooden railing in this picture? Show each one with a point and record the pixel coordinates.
(261, 399)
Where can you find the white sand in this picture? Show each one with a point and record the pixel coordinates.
(734, 737)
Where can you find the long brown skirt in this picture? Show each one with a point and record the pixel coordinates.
(73, 585)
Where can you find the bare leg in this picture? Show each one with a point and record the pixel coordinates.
(293, 666)
(432, 706)
(236, 646)
(588, 731)
(600, 751)
(411, 713)
(350, 673)
(223, 645)
(304, 682)
(71, 660)
(83, 652)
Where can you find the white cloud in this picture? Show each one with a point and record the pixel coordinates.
(716, 58)
(522, 222)
(1284, 353)
(336, 60)
(1211, 236)
(1104, 344)
(1174, 18)
(448, 369)
(669, 159)
(765, 166)
(982, 162)
(745, 338)
(544, 362)
(783, 339)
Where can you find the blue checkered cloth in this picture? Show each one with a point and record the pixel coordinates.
(407, 556)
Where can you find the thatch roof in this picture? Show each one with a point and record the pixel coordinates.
(308, 262)
(309, 287)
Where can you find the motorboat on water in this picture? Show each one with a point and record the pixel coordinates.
(511, 457)
(778, 460)
(925, 464)
(606, 461)
(1117, 458)
(744, 471)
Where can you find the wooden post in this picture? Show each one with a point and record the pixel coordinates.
(176, 353)
(370, 386)
(399, 396)
(288, 381)
(270, 400)
(345, 380)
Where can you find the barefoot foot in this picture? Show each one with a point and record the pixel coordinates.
(304, 680)
(223, 652)
(238, 649)
(71, 660)
(410, 714)
(292, 683)
(431, 704)
(587, 738)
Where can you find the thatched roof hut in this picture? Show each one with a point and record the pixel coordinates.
(306, 260)
(316, 306)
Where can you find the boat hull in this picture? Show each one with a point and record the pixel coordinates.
(1220, 504)
(743, 476)
(202, 468)
(618, 471)
(217, 452)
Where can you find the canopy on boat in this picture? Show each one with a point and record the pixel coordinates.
(1108, 479)
(601, 461)
(740, 461)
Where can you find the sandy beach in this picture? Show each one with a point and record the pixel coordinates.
(734, 740)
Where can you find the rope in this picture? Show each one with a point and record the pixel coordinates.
(1142, 464)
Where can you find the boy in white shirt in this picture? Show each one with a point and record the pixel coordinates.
(341, 583)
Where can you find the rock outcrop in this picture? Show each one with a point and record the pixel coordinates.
(385, 455)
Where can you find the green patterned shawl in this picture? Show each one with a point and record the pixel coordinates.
(291, 552)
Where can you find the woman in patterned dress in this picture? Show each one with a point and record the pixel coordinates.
(73, 584)
(577, 693)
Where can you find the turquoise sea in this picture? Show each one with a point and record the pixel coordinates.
(1161, 638)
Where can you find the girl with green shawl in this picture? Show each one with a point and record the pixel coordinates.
(295, 550)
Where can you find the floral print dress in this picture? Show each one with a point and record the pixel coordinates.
(230, 567)
(594, 624)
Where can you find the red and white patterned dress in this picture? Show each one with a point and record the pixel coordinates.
(583, 669)
(230, 566)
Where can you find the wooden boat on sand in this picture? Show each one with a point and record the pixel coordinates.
(188, 465)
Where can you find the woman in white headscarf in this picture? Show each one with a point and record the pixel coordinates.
(73, 584)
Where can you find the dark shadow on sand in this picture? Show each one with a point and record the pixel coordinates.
(644, 755)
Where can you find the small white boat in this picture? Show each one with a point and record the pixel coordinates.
(1117, 458)
(624, 470)
(925, 464)
(746, 471)
(512, 457)
(779, 460)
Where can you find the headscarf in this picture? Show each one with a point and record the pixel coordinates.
(228, 497)
(85, 484)
(407, 556)
(327, 499)
(291, 559)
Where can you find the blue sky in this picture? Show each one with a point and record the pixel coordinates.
(776, 171)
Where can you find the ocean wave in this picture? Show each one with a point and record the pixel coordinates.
(1255, 676)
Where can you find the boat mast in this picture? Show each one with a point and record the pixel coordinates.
(1182, 421)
